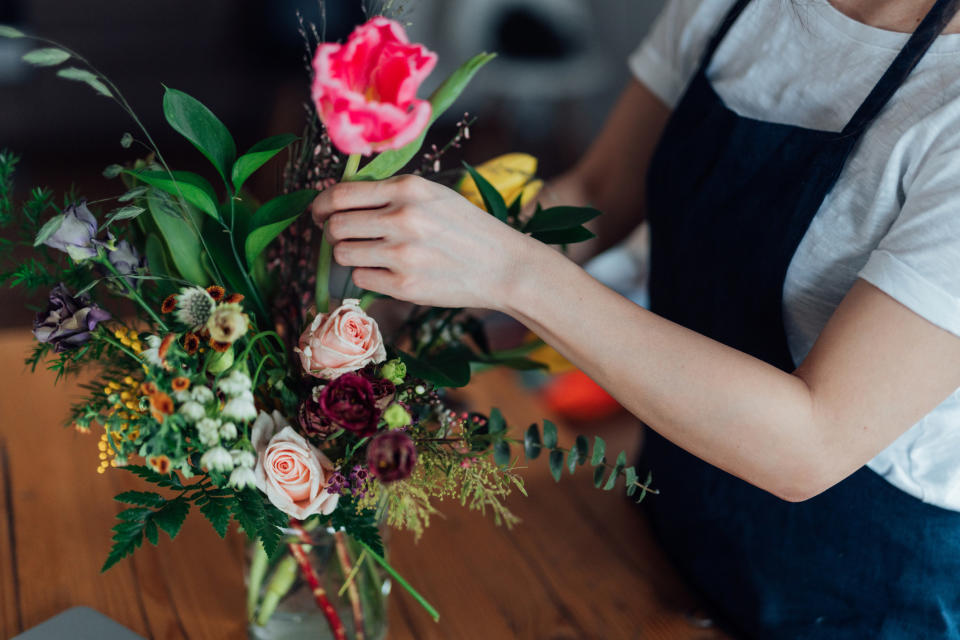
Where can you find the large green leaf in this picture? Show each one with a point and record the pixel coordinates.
(180, 236)
(191, 187)
(448, 367)
(195, 122)
(492, 199)
(559, 218)
(564, 236)
(258, 155)
(389, 162)
(272, 218)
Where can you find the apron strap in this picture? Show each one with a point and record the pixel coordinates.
(933, 24)
(717, 38)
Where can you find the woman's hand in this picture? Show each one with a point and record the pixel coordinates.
(416, 240)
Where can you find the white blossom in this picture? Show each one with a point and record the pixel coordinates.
(243, 458)
(193, 411)
(208, 429)
(202, 394)
(240, 408)
(242, 478)
(228, 431)
(217, 459)
(152, 353)
(235, 383)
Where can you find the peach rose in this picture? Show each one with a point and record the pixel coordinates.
(289, 470)
(341, 341)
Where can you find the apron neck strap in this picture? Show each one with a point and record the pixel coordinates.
(721, 32)
(926, 34)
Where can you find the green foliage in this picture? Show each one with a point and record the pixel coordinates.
(168, 481)
(559, 218)
(183, 184)
(90, 79)
(272, 218)
(10, 32)
(388, 163)
(358, 523)
(258, 155)
(144, 520)
(48, 57)
(178, 227)
(8, 164)
(492, 199)
(195, 122)
(216, 510)
(258, 519)
(448, 366)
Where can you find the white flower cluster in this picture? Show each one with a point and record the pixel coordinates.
(216, 432)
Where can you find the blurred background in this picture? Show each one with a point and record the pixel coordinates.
(561, 65)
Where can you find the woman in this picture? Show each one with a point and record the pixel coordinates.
(800, 363)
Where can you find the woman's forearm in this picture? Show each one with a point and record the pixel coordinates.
(725, 407)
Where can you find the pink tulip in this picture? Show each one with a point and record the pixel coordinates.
(365, 90)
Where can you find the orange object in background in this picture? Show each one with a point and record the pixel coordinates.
(575, 396)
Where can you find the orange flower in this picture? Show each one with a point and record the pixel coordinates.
(216, 292)
(190, 343)
(169, 304)
(160, 464)
(234, 298)
(219, 346)
(148, 388)
(180, 383)
(165, 346)
(161, 405)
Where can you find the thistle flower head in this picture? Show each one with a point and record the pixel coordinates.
(194, 307)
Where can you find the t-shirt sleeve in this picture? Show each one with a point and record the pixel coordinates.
(669, 55)
(918, 261)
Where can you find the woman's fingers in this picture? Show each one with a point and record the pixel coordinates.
(379, 280)
(363, 253)
(347, 196)
(356, 225)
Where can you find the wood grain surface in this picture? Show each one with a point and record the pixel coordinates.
(582, 564)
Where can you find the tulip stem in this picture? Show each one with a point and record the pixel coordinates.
(325, 258)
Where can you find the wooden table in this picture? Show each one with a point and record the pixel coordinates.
(582, 563)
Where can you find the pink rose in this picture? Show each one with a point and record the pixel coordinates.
(290, 471)
(341, 341)
(365, 90)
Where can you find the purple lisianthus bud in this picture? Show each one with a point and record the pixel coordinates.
(126, 260)
(312, 420)
(349, 402)
(76, 232)
(68, 320)
(391, 456)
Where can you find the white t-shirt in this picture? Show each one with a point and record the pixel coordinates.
(893, 217)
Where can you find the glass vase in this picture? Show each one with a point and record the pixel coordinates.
(282, 602)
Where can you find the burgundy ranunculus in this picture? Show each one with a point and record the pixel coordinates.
(383, 389)
(312, 421)
(349, 402)
(391, 456)
(68, 320)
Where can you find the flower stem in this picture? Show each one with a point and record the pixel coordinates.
(319, 593)
(322, 293)
(352, 593)
(133, 293)
(403, 583)
(258, 569)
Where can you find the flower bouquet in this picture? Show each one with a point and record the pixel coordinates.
(238, 387)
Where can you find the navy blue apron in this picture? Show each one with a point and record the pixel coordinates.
(730, 198)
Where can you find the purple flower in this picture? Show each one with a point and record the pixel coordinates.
(75, 232)
(312, 420)
(126, 260)
(68, 320)
(349, 402)
(391, 456)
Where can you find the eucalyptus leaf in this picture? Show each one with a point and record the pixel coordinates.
(617, 470)
(531, 442)
(559, 218)
(193, 188)
(598, 476)
(48, 229)
(195, 122)
(126, 140)
(47, 57)
(501, 453)
(112, 171)
(630, 476)
(258, 155)
(388, 163)
(492, 199)
(549, 435)
(272, 218)
(556, 464)
(572, 461)
(496, 424)
(582, 447)
(599, 449)
(7, 31)
(82, 75)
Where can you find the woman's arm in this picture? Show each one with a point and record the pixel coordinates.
(876, 369)
(611, 175)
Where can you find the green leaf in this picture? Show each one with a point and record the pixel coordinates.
(170, 481)
(191, 187)
(134, 193)
(501, 453)
(157, 262)
(48, 57)
(152, 533)
(142, 498)
(271, 533)
(572, 461)
(496, 424)
(195, 122)
(599, 449)
(598, 476)
(180, 236)
(559, 218)
(388, 163)
(218, 513)
(617, 470)
(247, 510)
(492, 199)
(82, 75)
(272, 218)
(360, 525)
(646, 483)
(10, 32)
(48, 229)
(170, 517)
(126, 140)
(582, 447)
(630, 476)
(127, 538)
(549, 435)
(258, 155)
(124, 213)
(135, 514)
(556, 464)
(447, 367)
(564, 236)
(531, 442)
